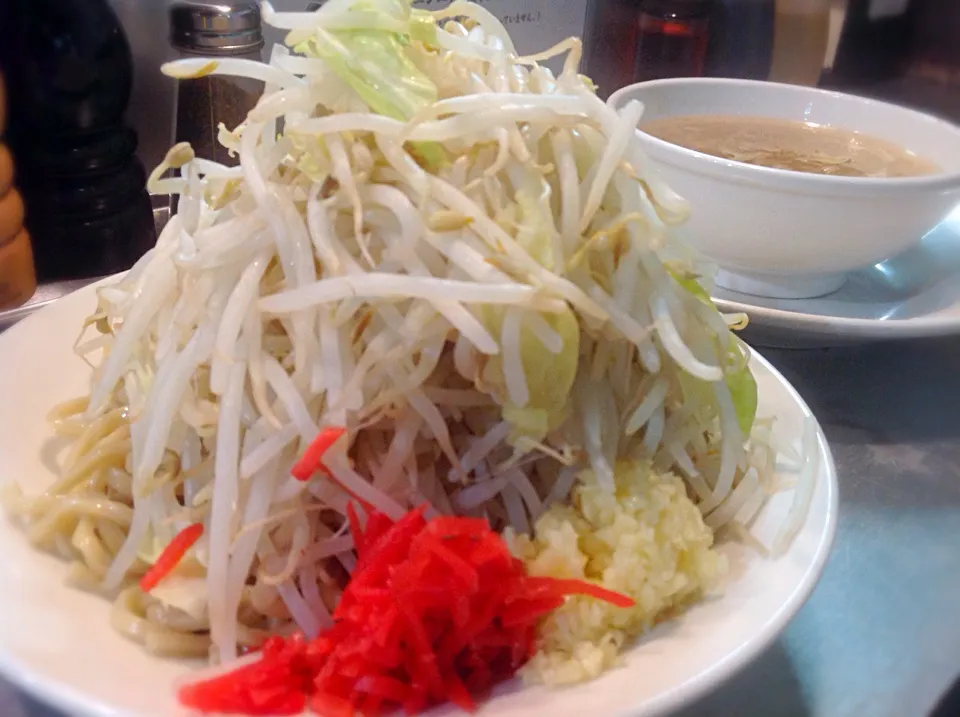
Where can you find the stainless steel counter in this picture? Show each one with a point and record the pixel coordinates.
(46, 294)
(881, 635)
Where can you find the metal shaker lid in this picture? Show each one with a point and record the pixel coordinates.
(216, 28)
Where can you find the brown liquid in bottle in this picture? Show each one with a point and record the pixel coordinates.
(18, 279)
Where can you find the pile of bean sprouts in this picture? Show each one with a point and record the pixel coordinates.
(432, 241)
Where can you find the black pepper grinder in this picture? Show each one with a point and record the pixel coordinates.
(70, 71)
(672, 39)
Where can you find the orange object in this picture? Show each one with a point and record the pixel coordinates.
(18, 277)
(312, 459)
(171, 556)
(11, 215)
(6, 169)
(18, 280)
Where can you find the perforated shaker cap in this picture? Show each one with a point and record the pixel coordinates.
(216, 28)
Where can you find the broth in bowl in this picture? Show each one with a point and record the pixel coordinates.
(791, 145)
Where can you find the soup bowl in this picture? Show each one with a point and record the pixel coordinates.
(786, 234)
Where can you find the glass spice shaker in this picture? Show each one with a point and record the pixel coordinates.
(673, 38)
(214, 29)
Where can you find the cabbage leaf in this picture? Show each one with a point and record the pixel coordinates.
(549, 376)
(736, 370)
(375, 64)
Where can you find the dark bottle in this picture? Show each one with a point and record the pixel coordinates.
(610, 42)
(934, 55)
(741, 39)
(672, 39)
(875, 42)
(69, 71)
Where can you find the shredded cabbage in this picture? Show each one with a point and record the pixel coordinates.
(373, 62)
(548, 374)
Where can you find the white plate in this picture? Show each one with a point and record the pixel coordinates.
(56, 643)
(913, 295)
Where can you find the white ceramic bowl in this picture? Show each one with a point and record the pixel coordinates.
(789, 234)
(56, 641)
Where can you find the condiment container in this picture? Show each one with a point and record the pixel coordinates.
(610, 43)
(879, 36)
(672, 39)
(217, 30)
(18, 279)
(800, 39)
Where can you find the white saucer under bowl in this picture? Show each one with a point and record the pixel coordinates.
(913, 295)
